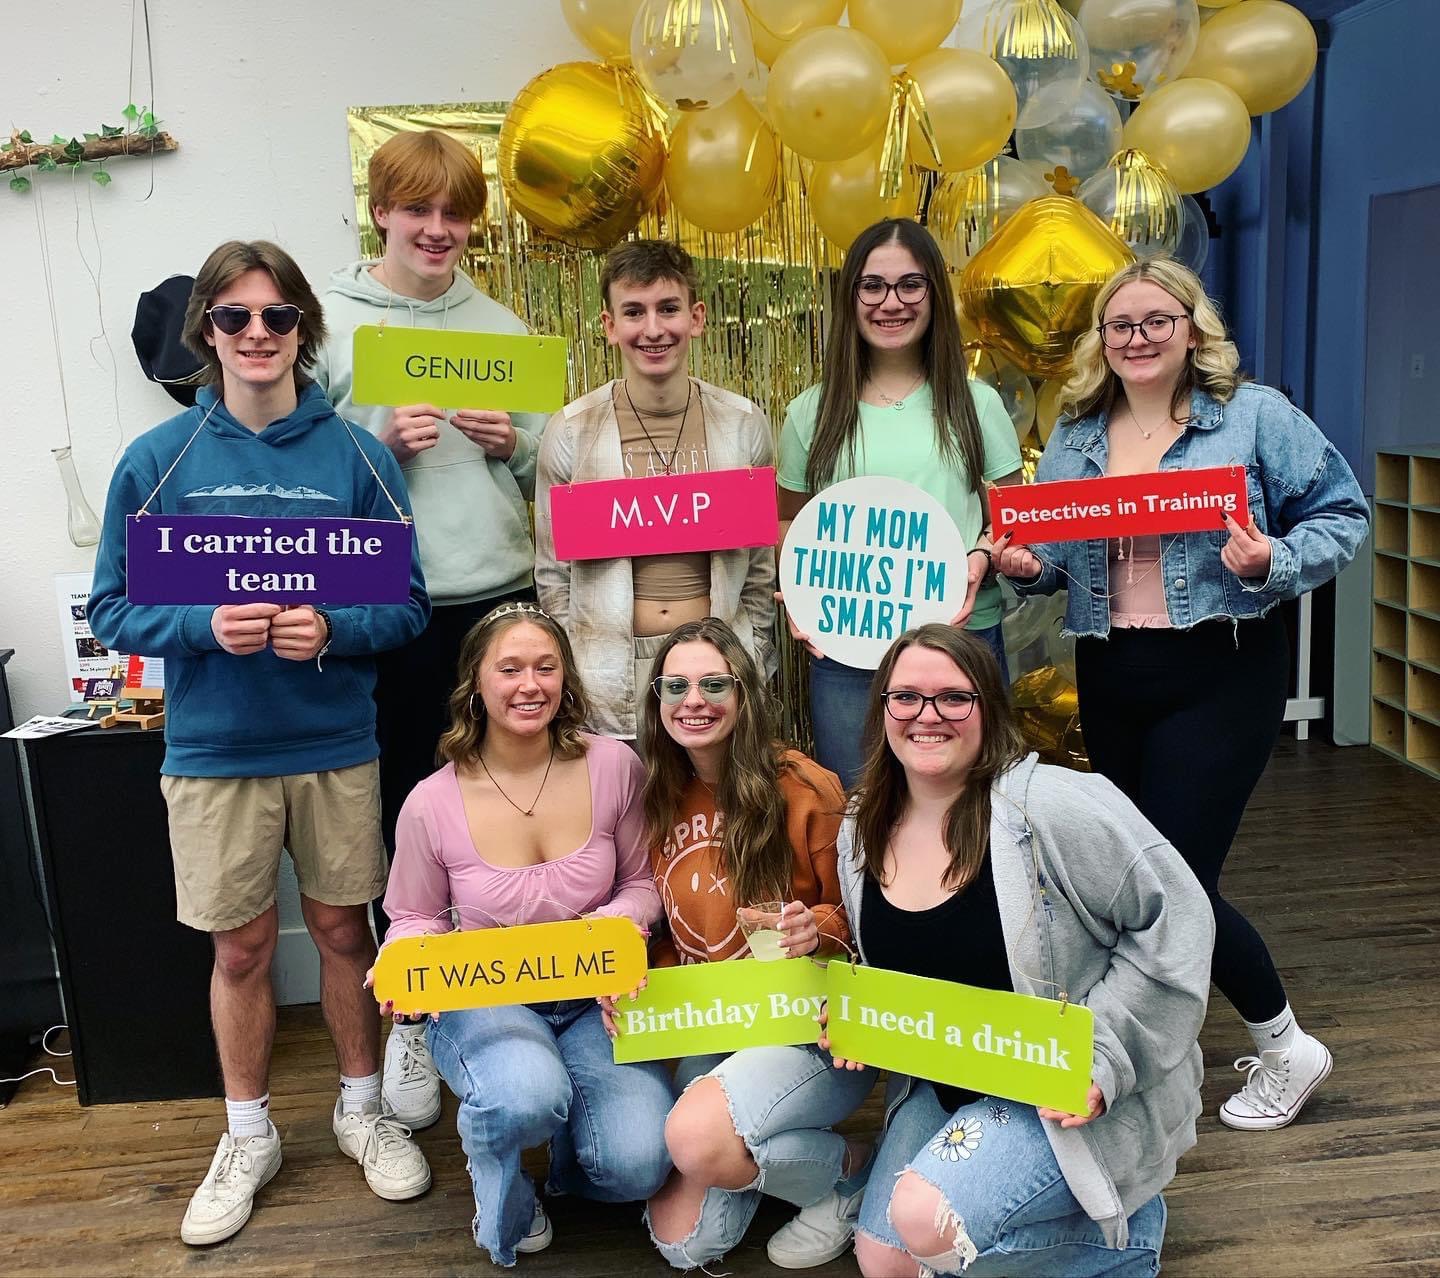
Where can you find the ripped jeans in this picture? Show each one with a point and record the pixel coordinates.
(783, 1100)
(994, 1167)
(546, 1072)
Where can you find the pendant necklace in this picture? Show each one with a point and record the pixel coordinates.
(667, 462)
(897, 404)
(530, 811)
(1147, 434)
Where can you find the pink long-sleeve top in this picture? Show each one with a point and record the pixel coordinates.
(437, 863)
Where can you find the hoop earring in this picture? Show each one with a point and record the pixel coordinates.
(471, 705)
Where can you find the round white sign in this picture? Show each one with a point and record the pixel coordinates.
(867, 559)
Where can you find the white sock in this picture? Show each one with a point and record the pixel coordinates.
(356, 1093)
(1275, 1035)
(248, 1117)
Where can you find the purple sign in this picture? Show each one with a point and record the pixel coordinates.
(234, 559)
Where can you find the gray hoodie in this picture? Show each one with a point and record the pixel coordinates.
(470, 514)
(1095, 903)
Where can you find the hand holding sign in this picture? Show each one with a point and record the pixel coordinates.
(1247, 554)
(1095, 1106)
(297, 634)
(411, 429)
(823, 1043)
(490, 430)
(242, 629)
(796, 633)
(1016, 562)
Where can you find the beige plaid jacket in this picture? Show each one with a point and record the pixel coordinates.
(594, 598)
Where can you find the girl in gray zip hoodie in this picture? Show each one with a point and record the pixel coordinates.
(964, 858)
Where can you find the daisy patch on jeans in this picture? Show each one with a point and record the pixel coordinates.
(959, 1140)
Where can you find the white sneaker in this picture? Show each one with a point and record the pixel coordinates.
(1277, 1085)
(411, 1088)
(238, 1171)
(541, 1234)
(394, 1166)
(819, 1233)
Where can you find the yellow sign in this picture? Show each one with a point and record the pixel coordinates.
(510, 372)
(496, 966)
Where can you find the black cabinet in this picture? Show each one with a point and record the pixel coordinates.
(29, 994)
(136, 982)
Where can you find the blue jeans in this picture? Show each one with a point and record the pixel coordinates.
(546, 1072)
(839, 699)
(994, 1168)
(783, 1100)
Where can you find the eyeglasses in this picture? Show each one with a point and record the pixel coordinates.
(874, 290)
(905, 705)
(673, 689)
(1118, 334)
(280, 319)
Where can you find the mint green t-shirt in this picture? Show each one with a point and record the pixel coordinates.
(900, 444)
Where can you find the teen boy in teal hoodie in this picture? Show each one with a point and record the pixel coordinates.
(268, 745)
(470, 474)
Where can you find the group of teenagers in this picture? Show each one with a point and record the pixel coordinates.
(608, 746)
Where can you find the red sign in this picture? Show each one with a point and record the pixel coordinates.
(1167, 501)
(665, 515)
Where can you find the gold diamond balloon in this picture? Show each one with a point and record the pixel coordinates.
(1029, 290)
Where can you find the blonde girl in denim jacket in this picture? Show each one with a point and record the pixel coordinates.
(1182, 660)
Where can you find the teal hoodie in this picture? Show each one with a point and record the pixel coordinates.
(259, 715)
(470, 509)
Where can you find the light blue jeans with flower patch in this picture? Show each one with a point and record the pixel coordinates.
(995, 1170)
(783, 1101)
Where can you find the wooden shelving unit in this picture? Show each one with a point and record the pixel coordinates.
(1405, 624)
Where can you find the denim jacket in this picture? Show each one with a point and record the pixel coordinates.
(1303, 496)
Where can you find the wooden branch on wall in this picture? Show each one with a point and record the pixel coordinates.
(22, 153)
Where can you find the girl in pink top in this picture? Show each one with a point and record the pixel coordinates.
(532, 820)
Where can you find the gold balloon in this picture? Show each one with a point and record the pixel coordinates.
(1263, 49)
(829, 93)
(774, 23)
(1030, 289)
(971, 104)
(722, 167)
(1196, 130)
(602, 25)
(845, 196)
(1048, 708)
(579, 157)
(1047, 408)
(907, 30)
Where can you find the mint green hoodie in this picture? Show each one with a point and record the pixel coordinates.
(470, 515)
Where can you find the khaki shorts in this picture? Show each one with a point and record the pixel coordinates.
(227, 833)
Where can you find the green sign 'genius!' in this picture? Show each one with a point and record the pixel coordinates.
(508, 372)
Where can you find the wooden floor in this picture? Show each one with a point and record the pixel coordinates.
(1339, 864)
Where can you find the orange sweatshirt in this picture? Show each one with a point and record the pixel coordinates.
(699, 906)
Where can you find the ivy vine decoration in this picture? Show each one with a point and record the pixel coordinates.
(141, 134)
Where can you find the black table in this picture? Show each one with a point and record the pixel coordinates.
(136, 982)
(29, 992)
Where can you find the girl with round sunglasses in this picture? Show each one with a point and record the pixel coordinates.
(894, 399)
(1182, 658)
(735, 819)
(964, 859)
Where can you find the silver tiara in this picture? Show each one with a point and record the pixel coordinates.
(519, 608)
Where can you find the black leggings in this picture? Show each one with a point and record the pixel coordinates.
(1183, 721)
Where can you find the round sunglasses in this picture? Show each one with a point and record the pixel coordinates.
(280, 319)
(673, 689)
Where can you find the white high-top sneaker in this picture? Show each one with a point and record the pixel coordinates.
(411, 1085)
(1277, 1084)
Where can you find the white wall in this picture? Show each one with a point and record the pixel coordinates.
(256, 96)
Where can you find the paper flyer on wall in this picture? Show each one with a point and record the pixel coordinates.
(85, 656)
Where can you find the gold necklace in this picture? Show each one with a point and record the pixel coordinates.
(530, 811)
(1147, 434)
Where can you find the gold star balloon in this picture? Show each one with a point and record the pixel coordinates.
(1029, 290)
